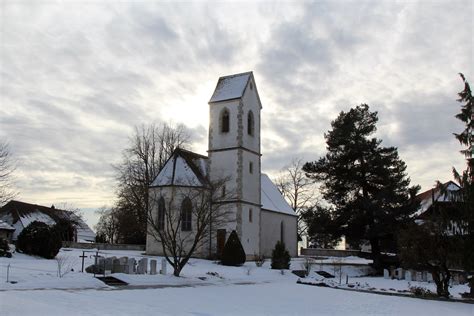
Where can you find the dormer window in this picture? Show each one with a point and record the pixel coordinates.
(250, 123)
(225, 121)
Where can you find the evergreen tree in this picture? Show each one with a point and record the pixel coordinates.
(466, 178)
(280, 256)
(233, 253)
(322, 227)
(365, 183)
(39, 239)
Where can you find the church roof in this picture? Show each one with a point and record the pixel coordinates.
(272, 200)
(230, 87)
(188, 169)
(184, 168)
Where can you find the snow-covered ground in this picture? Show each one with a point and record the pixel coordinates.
(246, 290)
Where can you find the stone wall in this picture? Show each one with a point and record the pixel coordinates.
(318, 252)
(101, 246)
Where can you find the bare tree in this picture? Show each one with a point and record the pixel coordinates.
(65, 264)
(7, 167)
(299, 190)
(107, 226)
(184, 220)
(149, 149)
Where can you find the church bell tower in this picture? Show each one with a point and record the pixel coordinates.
(234, 154)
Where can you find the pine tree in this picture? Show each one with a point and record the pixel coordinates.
(365, 183)
(466, 178)
(233, 253)
(280, 256)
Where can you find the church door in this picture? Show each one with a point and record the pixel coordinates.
(220, 241)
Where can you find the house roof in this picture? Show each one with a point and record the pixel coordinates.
(427, 197)
(21, 214)
(272, 200)
(183, 168)
(6, 226)
(230, 87)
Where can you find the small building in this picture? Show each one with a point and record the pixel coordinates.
(20, 214)
(259, 213)
(6, 231)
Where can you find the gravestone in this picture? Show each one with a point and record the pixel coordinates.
(142, 266)
(123, 264)
(163, 266)
(131, 266)
(153, 267)
(399, 274)
(393, 273)
(429, 278)
(386, 274)
(116, 267)
(408, 275)
(418, 276)
(424, 276)
(109, 262)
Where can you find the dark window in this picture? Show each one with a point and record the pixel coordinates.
(223, 191)
(186, 215)
(225, 121)
(250, 123)
(250, 215)
(282, 232)
(251, 167)
(161, 213)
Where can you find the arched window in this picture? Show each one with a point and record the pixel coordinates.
(225, 121)
(282, 232)
(250, 123)
(186, 215)
(160, 221)
(250, 215)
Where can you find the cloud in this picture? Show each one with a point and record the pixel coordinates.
(76, 78)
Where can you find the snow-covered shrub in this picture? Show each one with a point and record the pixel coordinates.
(259, 260)
(421, 291)
(39, 239)
(280, 256)
(233, 253)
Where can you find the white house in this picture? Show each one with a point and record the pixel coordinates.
(261, 216)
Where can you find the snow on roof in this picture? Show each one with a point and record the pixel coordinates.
(184, 168)
(426, 198)
(272, 199)
(6, 226)
(230, 87)
(27, 219)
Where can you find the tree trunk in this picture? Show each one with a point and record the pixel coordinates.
(374, 244)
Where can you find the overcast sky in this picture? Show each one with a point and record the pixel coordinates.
(76, 77)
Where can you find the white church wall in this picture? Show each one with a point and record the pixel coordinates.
(250, 238)
(217, 139)
(271, 232)
(250, 180)
(251, 103)
(176, 196)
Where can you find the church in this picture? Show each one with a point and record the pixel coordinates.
(258, 212)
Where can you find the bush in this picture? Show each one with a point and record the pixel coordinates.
(233, 253)
(5, 248)
(259, 260)
(39, 239)
(280, 256)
